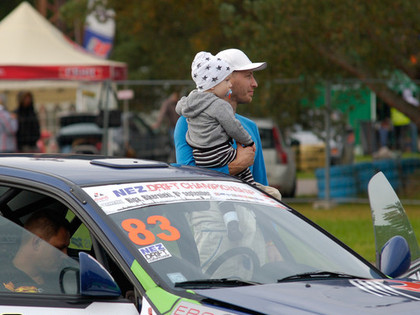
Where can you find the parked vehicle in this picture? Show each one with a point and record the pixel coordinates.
(279, 157)
(128, 135)
(341, 146)
(150, 238)
(143, 142)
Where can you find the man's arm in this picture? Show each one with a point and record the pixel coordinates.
(244, 157)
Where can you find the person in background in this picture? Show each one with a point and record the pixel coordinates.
(167, 112)
(8, 128)
(211, 121)
(243, 86)
(208, 225)
(28, 125)
(212, 124)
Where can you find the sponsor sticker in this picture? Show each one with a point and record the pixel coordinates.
(117, 198)
(186, 308)
(176, 277)
(155, 252)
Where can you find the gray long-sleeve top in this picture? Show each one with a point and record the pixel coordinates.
(211, 121)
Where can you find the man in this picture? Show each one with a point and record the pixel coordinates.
(37, 258)
(209, 226)
(243, 86)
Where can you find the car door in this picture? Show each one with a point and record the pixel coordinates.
(60, 291)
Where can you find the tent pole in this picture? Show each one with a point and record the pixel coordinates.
(106, 119)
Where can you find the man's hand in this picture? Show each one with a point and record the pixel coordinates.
(244, 158)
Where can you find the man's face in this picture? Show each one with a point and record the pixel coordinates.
(61, 240)
(243, 85)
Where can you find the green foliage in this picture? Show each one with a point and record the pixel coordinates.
(160, 38)
(315, 40)
(7, 6)
(326, 37)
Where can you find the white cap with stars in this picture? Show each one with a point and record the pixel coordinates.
(207, 70)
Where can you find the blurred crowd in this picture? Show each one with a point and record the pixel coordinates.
(19, 129)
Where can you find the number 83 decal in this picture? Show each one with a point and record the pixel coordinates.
(140, 235)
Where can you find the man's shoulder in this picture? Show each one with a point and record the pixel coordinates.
(246, 121)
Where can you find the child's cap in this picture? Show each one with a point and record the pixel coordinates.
(207, 70)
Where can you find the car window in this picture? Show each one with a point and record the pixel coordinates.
(267, 140)
(48, 272)
(59, 268)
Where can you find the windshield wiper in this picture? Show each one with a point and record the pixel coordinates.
(317, 274)
(209, 283)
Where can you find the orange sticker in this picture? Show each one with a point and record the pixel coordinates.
(140, 235)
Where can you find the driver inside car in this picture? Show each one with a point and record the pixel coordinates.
(35, 267)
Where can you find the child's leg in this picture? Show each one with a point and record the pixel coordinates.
(246, 175)
(214, 157)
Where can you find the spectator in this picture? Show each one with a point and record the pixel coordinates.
(28, 125)
(243, 85)
(8, 128)
(211, 120)
(167, 112)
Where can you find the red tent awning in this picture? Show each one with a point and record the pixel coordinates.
(33, 49)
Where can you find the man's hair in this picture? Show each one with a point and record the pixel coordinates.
(46, 223)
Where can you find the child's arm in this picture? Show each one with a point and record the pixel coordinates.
(184, 156)
(223, 113)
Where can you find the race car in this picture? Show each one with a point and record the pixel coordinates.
(152, 238)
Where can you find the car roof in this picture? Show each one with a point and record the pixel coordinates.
(88, 170)
(263, 122)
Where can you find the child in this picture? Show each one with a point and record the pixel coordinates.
(211, 121)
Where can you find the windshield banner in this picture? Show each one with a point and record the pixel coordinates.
(116, 198)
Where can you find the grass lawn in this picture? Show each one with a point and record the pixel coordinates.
(352, 224)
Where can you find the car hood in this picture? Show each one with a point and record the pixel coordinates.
(353, 296)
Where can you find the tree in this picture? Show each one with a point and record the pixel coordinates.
(334, 40)
(7, 6)
(160, 38)
(314, 40)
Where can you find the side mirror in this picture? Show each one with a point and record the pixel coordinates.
(95, 280)
(395, 257)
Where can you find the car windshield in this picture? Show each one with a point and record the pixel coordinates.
(222, 233)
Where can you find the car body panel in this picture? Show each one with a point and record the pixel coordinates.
(47, 308)
(87, 175)
(390, 219)
(322, 297)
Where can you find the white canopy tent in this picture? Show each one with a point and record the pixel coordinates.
(36, 56)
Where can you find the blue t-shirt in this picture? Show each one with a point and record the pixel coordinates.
(184, 155)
